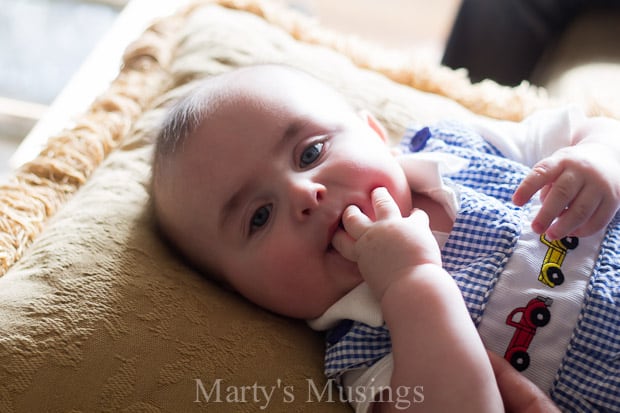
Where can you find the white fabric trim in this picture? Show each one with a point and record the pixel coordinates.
(359, 304)
(365, 385)
(536, 137)
(424, 172)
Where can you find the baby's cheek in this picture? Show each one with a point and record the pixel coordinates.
(287, 256)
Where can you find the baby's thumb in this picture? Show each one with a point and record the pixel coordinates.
(344, 244)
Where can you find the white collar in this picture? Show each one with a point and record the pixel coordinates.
(358, 304)
(424, 171)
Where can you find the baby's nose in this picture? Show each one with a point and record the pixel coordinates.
(307, 197)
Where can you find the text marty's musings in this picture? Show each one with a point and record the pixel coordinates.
(218, 391)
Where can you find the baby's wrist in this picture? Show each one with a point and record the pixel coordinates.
(406, 278)
(412, 293)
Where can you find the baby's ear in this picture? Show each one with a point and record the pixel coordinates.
(374, 124)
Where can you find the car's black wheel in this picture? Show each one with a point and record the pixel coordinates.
(520, 360)
(540, 317)
(570, 243)
(555, 275)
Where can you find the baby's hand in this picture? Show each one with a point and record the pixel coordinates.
(388, 248)
(580, 186)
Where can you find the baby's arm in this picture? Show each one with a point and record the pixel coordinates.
(434, 342)
(580, 184)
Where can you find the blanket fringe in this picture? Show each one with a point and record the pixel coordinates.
(40, 187)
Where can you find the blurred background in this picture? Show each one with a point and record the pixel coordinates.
(44, 43)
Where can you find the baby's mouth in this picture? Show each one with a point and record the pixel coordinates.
(337, 225)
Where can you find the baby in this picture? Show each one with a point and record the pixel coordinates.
(416, 263)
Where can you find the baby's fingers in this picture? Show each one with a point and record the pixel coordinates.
(563, 194)
(355, 222)
(543, 173)
(384, 205)
(599, 219)
(578, 214)
(345, 245)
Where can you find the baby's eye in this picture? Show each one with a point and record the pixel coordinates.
(311, 154)
(260, 218)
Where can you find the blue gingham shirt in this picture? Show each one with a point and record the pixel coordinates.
(485, 233)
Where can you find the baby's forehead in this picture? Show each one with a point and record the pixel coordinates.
(267, 80)
(266, 95)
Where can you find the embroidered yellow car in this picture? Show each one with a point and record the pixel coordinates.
(551, 272)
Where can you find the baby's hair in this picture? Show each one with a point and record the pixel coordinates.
(182, 119)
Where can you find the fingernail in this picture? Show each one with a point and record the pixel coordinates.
(351, 209)
(551, 235)
(537, 227)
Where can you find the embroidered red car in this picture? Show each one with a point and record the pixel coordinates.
(535, 314)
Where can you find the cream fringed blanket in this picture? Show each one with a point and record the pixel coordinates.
(96, 313)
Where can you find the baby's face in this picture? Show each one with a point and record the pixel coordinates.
(265, 181)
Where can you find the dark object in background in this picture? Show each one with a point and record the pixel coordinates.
(503, 40)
